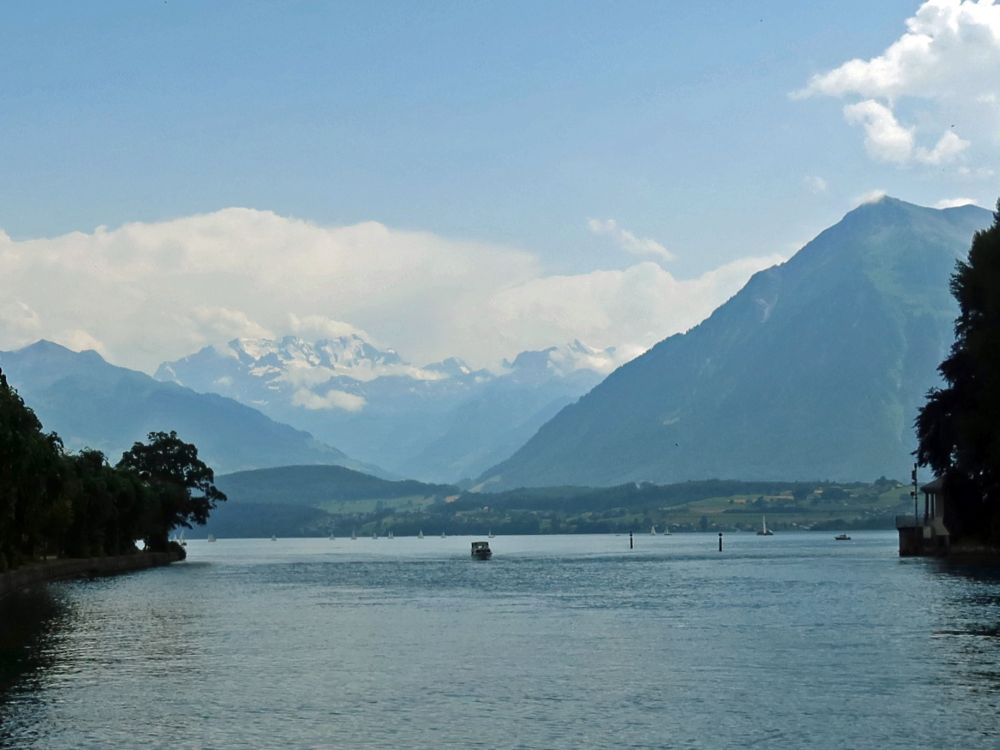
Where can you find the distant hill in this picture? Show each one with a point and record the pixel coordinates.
(321, 485)
(92, 403)
(318, 501)
(310, 501)
(814, 370)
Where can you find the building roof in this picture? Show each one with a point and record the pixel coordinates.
(934, 487)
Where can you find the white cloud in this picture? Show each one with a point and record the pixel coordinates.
(636, 306)
(815, 184)
(887, 140)
(148, 292)
(947, 64)
(954, 202)
(321, 327)
(223, 323)
(628, 241)
(872, 196)
(333, 399)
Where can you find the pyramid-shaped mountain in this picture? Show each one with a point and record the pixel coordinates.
(814, 370)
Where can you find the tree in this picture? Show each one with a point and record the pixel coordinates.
(30, 479)
(959, 427)
(182, 484)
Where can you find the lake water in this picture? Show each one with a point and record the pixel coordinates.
(790, 641)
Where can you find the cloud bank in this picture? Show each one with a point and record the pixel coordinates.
(933, 96)
(148, 292)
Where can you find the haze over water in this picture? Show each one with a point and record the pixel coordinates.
(559, 642)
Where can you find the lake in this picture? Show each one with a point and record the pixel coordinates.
(788, 641)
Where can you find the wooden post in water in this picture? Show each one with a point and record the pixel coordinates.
(630, 540)
(720, 541)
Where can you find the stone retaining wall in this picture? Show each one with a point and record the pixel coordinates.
(57, 570)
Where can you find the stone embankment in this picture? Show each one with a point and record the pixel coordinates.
(86, 567)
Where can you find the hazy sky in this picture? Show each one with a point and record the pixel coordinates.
(457, 178)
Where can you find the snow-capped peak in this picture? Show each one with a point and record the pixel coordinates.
(566, 359)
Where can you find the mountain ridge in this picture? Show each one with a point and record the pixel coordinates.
(867, 307)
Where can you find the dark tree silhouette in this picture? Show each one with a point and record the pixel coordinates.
(30, 479)
(959, 426)
(181, 482)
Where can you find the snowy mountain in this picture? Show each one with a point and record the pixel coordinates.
(440, 422)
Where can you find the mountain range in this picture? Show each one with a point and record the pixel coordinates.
(438, 422)
(814, 370)
(91, 403)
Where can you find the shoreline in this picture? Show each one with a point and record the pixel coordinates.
(35, 574)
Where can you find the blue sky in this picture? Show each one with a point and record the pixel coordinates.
(509, 124)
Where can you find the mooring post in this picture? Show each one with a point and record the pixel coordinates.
(630, 540)
(720, 541)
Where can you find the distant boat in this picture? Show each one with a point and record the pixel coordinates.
(420, 534)
(374, 535)
(274, 538)
(332, 537)
(491, 534)
(389, 535)
(443, 535)
(842, 538)
(764, 531)
(481, 550)
(211, 538)
(652, 530)
(354, 533)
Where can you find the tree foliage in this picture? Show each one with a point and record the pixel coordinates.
(77, 505)
(182, 484)
(959, 426)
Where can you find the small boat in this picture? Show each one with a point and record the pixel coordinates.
(491, 534)
(652, 530)
(354, 533)
(420, 534)
(443, 535)
(274, 538)
(481, 550)
(764, 531)
(842, 538)
(211, 538)
(389, 535)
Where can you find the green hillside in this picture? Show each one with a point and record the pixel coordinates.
(316, 501)
(814, 370)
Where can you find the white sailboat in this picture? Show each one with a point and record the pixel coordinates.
(764, 531)
(354, 533)
(652, 529)
(420, 534)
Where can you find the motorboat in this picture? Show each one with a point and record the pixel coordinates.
(842, 538)
(481, 550)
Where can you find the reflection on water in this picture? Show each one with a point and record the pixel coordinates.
(787, 641)
(27, 619)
